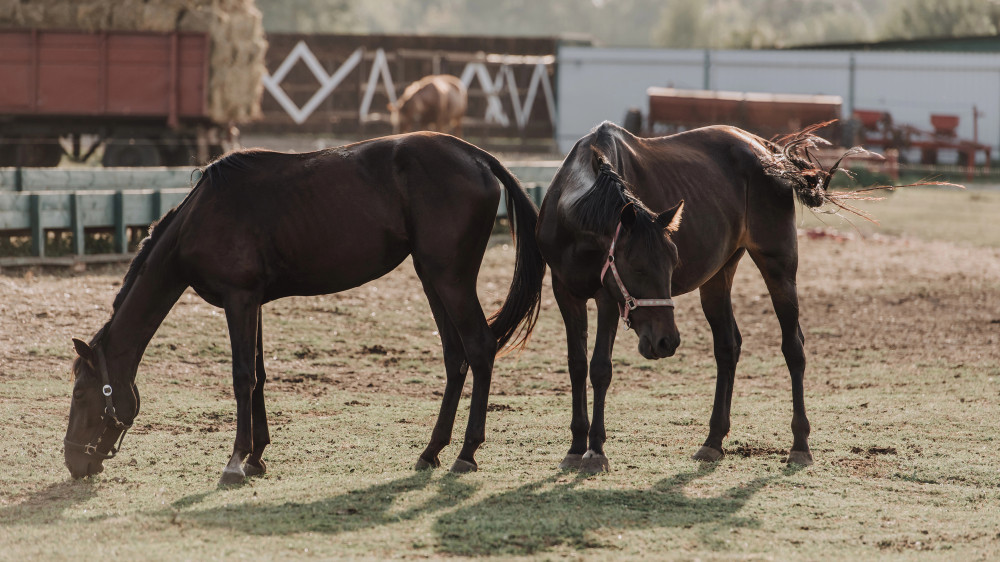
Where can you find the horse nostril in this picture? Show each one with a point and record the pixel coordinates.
(666, 347)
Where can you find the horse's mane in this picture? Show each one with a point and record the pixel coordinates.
(221, 171)
(599, 209)
(214, 173)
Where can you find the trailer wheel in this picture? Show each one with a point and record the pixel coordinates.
(130, 153)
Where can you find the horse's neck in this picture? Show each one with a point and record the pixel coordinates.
(148, 301)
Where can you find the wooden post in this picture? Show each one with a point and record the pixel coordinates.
(157, 204)
(76, 220)
(37, 231)
(121, 240)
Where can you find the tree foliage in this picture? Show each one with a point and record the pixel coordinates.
(909, 19)
(666, 23)
(764, 23)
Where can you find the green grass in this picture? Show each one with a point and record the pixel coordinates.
(943, 214)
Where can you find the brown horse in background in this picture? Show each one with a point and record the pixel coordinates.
(436, 102)
(610, 228)
(264, 225)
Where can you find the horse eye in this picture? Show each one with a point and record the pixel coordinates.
(78, 394)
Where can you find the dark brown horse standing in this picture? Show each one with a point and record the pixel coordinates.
(262, 225)
(610, 228)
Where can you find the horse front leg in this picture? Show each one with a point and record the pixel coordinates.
(600, 377)
(242, 315)
(716, 303)
(255, 465)
(574, 313)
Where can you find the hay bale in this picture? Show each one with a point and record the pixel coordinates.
(234, 28)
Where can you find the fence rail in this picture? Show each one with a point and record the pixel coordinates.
(34, 202)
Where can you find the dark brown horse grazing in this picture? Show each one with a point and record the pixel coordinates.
(263, 225)
(610, 228)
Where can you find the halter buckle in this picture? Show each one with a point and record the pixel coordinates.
(631, 304)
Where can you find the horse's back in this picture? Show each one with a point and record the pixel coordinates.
(329, 220)
(735, 184)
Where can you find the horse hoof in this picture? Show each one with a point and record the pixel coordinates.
(571, 462)
(423, 464)
(232, 477)
(592, 463)
(803, 458)
(254, 468)
(463, 466)
(707, 454)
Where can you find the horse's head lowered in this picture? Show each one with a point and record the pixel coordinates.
(638, 273)
(637, 261)
(103, 407)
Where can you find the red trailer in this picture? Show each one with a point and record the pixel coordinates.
(762, 113)
(140, 94)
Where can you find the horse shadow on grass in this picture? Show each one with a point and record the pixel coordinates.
(554, 512)
(353, 510)
(48, 504)
(536, 517)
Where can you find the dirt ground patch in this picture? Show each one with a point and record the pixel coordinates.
(902, 387)
(882, 301)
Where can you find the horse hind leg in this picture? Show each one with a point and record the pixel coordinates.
(779, 274)
(255, 465)
(456, 369)
(716, 303)
(456, 292)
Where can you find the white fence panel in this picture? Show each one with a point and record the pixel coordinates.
(602, 84)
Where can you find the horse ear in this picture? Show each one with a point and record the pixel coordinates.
(597, 158)
(85, 351)
(670, 220)
(628, 215)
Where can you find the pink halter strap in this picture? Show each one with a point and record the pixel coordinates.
(630, 303)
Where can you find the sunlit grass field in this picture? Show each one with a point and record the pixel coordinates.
(902, 389)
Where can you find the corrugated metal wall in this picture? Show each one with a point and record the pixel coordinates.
(597, 84)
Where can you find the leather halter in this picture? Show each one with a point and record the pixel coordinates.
(630, 302)
(109, 418)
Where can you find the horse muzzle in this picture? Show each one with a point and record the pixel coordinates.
(663, 347)
(81, 465)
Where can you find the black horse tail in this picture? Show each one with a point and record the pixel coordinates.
(514, 321)
(791, 161)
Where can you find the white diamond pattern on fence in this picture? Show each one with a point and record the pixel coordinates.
(380, 66)
(328, 83)
(492, 86)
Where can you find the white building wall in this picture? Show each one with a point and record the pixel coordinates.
(597, 84)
